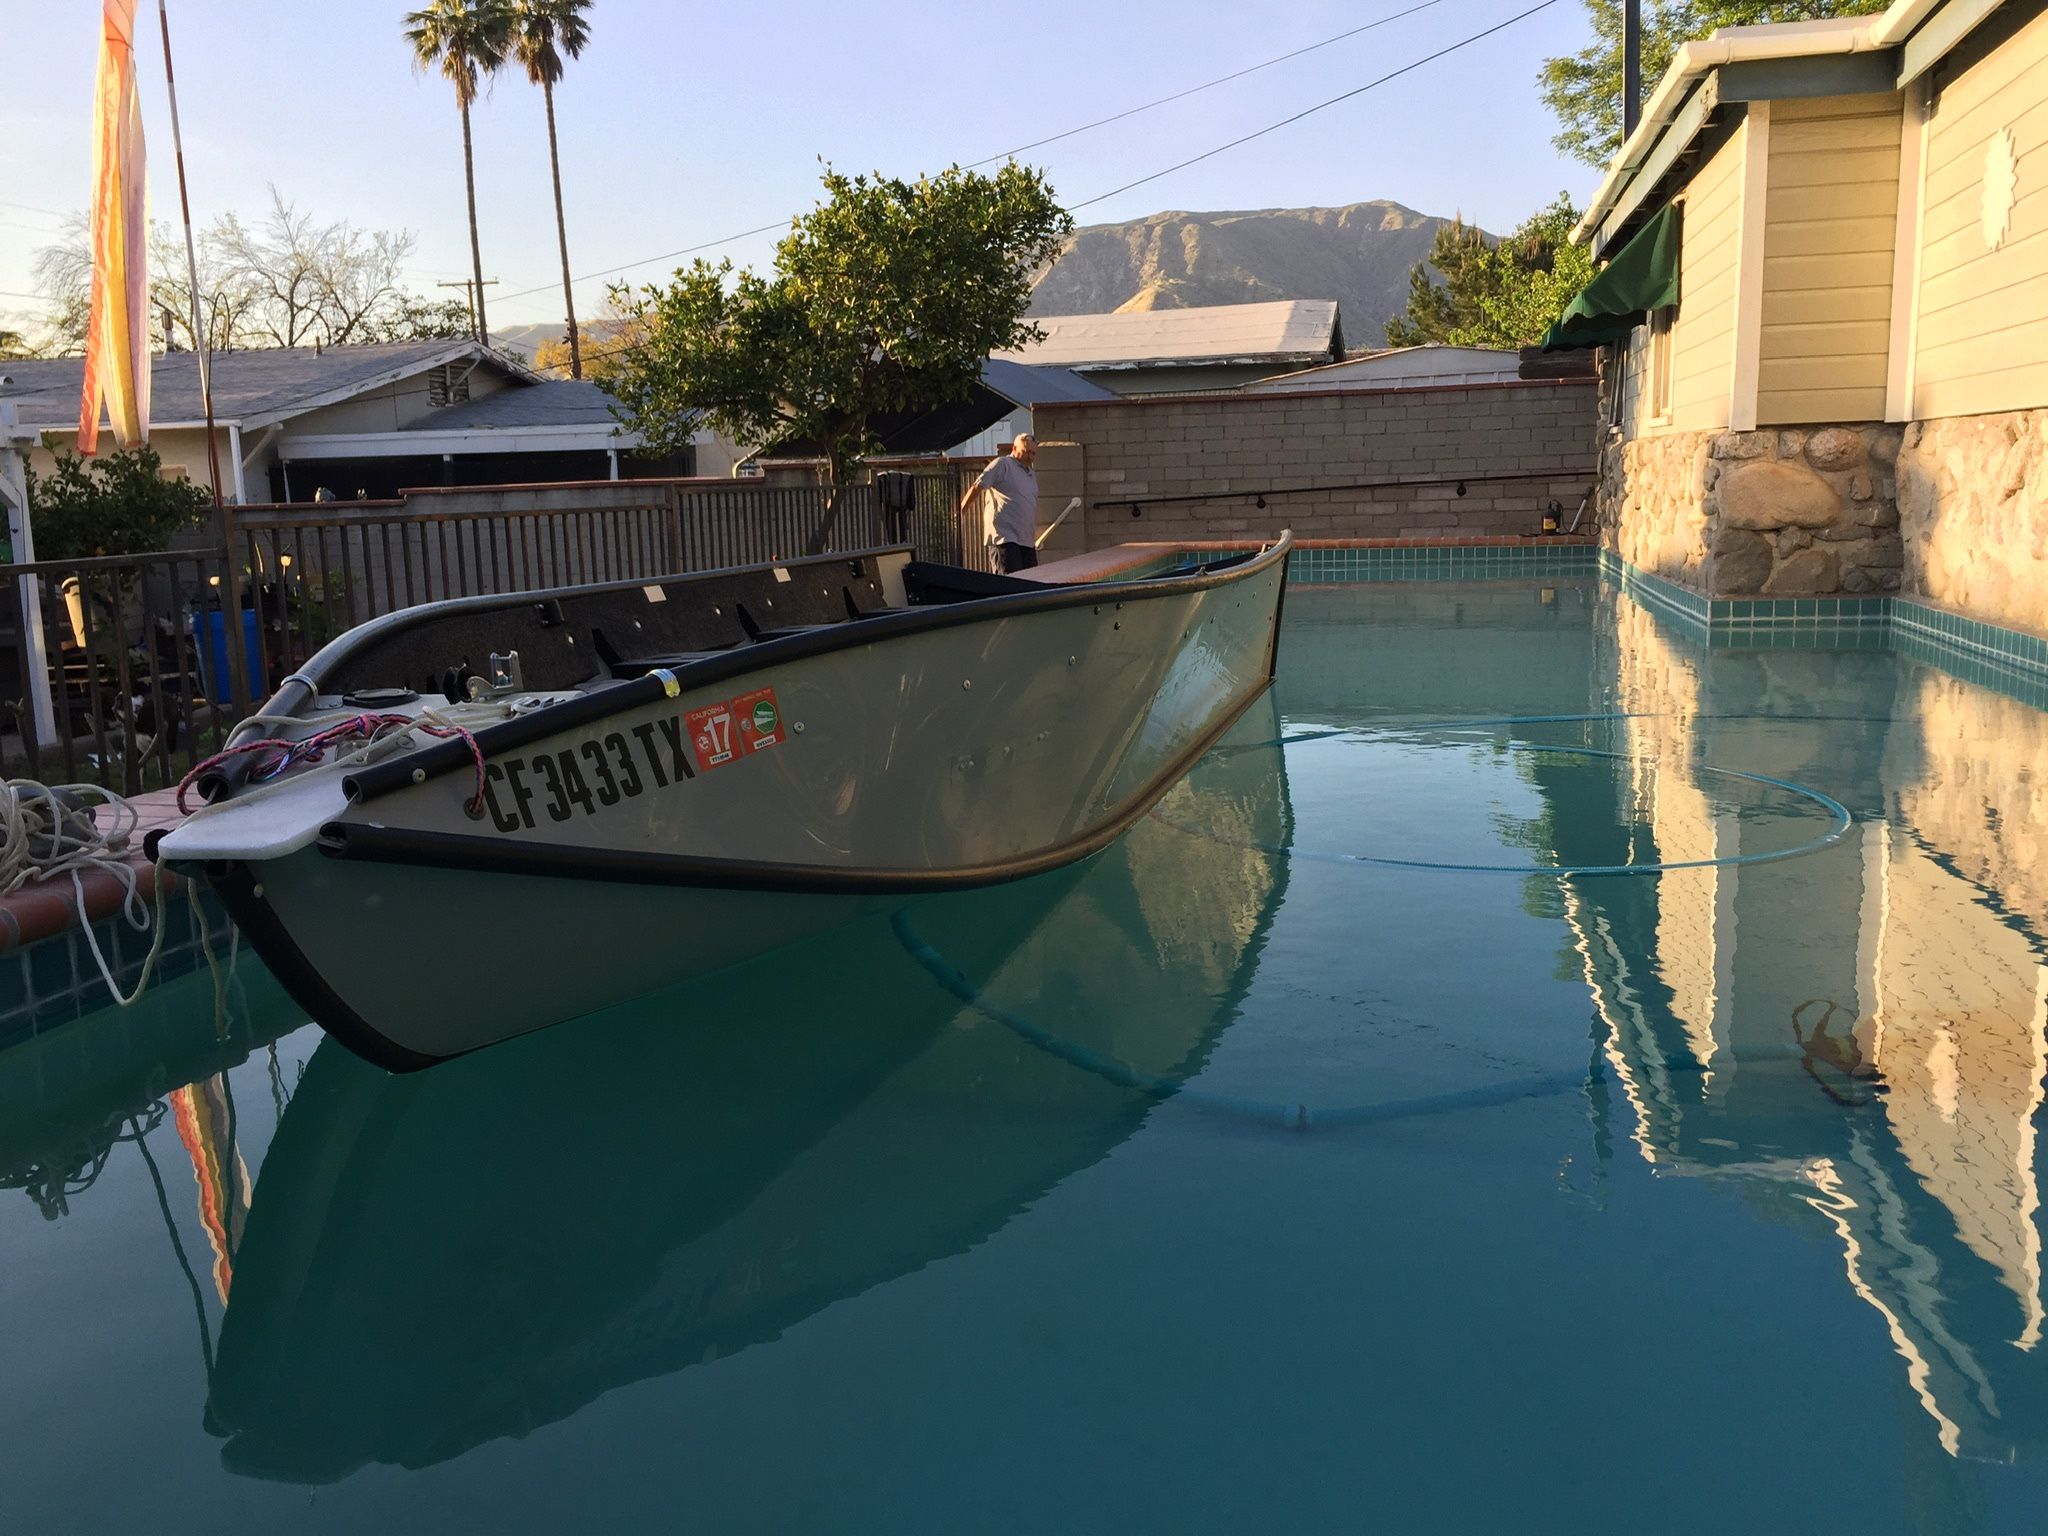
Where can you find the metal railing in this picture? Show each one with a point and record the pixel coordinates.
(146, 674)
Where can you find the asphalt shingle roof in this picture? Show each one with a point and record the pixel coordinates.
(254, 387)
(551, 403)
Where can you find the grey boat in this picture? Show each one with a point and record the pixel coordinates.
(471, 819)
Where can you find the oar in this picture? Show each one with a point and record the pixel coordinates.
(1046, 532)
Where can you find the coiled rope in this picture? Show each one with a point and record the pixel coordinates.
(54, 831)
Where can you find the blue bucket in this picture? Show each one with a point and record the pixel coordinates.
(210, 630)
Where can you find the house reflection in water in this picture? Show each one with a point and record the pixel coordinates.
(1857, 1038)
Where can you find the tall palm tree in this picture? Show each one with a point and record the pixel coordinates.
(466, 40)
(544, 30)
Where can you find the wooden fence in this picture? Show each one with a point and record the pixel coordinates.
(147, 670)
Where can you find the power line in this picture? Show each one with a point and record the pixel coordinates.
(1465, 42)
(1318, 107)
(1250, 69)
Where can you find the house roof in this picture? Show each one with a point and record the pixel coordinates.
(1842, 55)
(1023, 384)
(1284, 330)
(550, 403)
(251, 388)
(1431, 362)
(1004, 386)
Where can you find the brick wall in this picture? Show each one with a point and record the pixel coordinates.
(1230, 448)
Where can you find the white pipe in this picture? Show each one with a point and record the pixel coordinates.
(1046, 532)
(241, 463)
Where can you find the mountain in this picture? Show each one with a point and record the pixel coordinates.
(1360, 255)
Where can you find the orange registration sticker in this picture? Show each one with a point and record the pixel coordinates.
(724, 732)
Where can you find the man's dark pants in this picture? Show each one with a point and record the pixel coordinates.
(1011, 558)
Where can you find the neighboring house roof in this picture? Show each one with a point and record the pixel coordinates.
(1430, 363)
(1024, 384)
(1004, 386)
(1846, 55)
(253, 388)
(1285, 330)
(550, 403)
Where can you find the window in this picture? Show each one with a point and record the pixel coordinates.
(1661, 321)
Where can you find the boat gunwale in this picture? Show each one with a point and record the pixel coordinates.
(447, 756)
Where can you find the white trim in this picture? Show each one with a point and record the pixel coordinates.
(1906, 234)
(565, 438)
(1749, 268)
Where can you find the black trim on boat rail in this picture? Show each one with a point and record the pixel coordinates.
(456, 850)
(447, 756)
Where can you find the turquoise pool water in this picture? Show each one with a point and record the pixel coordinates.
(1313, 1158)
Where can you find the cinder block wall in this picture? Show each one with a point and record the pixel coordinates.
(1332, 465)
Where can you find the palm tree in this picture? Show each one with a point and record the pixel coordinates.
(467, 40)
(544, 30)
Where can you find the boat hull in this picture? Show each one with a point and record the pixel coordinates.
(741, 810)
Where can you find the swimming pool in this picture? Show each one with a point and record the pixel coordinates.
(1317, 1156)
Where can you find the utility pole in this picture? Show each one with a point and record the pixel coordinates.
(1631, 66)
(470, 296)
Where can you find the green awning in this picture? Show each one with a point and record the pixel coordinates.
(1643, 276)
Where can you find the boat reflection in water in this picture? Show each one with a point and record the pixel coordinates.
(1858, 1039)
(436, 1261)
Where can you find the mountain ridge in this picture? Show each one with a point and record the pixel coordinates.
(1359, 254)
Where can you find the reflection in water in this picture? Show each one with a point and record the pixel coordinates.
(1852, 1043)
(1862, 1035)
(440, 1260)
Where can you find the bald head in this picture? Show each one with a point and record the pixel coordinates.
(1024, 449)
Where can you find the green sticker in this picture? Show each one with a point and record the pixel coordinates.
(764, 718)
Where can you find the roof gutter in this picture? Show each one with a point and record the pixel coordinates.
(1738, 45)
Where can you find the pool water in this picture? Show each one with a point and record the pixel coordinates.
(1318, 1157)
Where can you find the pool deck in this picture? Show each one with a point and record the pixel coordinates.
(1114, 559)
(43, 909)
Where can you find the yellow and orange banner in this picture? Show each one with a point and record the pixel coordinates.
(117, 342)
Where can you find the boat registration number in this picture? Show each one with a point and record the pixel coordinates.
(598, 773)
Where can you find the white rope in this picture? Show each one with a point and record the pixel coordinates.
(50, 831)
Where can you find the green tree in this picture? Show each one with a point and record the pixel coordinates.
(1496, 293)
(111, 504)
(886, 297)
(1584, 89)
(14, 344)
(1439, 289)
(544, 30)
(466, 40)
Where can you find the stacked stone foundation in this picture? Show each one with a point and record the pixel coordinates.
(1778, 512)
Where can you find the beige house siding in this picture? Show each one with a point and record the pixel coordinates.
(395, 406)
(1830, 226)
(1981, 340)
(1703, 335)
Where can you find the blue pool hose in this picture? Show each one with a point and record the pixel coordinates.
(1301, 1117)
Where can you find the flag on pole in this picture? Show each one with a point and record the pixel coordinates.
(117, 339)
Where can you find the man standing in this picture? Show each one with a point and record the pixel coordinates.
(1012, 512)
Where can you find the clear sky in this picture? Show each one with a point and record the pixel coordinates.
(685, 123)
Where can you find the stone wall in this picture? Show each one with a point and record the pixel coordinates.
(1803, 512)
(1653, 509)
(1779, 512)
(1475, 459)
(1973, 507)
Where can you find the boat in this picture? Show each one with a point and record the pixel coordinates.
(471, 819)
(627, 1201)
